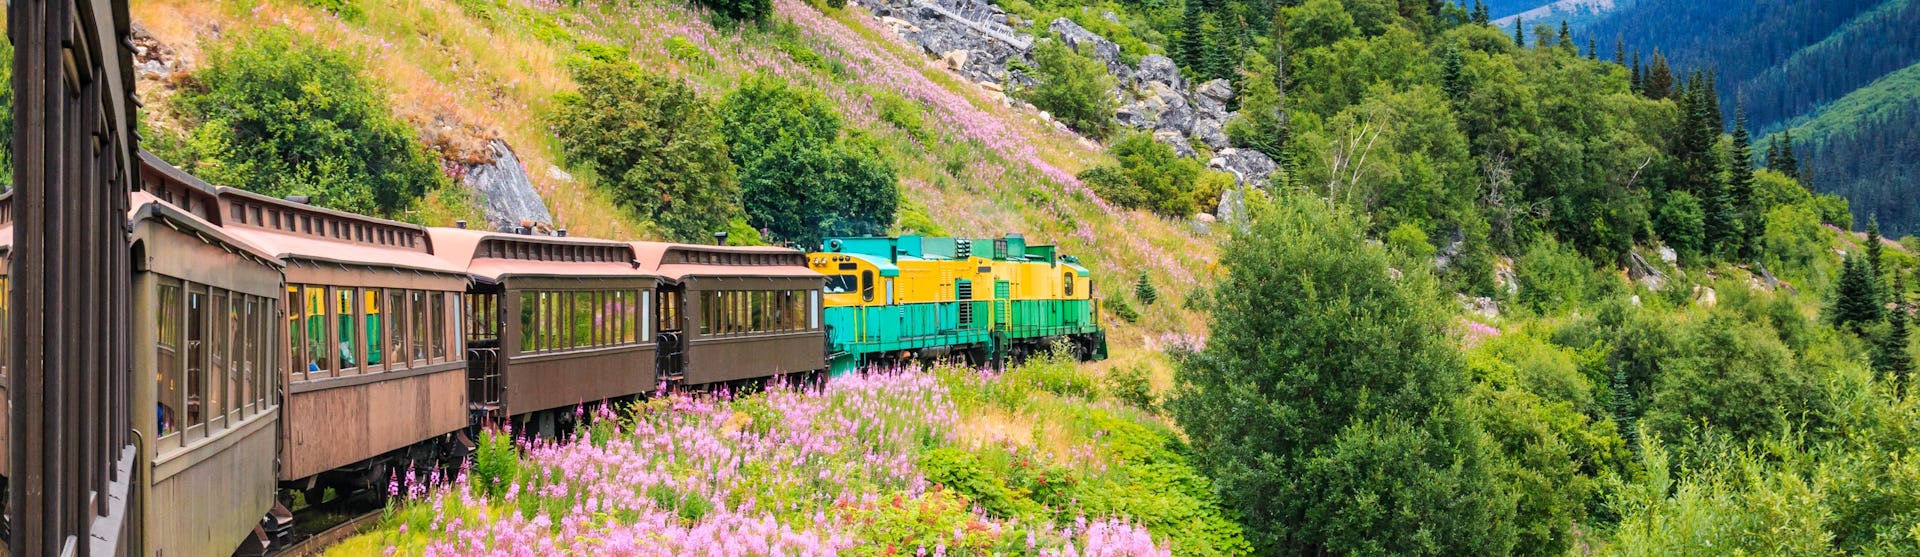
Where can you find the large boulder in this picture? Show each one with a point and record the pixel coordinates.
(1249, 167)
(1211, 98)
(509, 194)
(1177, 119)
(1209, 132)
(1155, 68)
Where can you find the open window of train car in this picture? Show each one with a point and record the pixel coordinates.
(372, 363)
(752, 312)
(569, 325)
(208, 405)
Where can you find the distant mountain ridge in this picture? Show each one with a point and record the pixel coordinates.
(1574, 12)
(1833, 72)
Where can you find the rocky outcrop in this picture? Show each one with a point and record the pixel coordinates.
(976, 33)
(978, 41)
(509, 195)
(1248, 166)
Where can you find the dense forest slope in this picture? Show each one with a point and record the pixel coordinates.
(1787, 62)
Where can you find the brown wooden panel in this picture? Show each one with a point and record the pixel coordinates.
(331, 428)
(207, 508)
(546, 381)
(712, 359)
(325, 430)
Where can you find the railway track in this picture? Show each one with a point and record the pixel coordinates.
(320, 526)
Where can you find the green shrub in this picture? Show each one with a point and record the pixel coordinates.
(1151, 176)
(496, 464)
(1072, 87)
(346, 9)
(655, 143)
(902, 113)
(1411, 241)
(1121, 309)
(963, 473)
(1682, 223)
(740, 10)
(1056, 372)
(1129, 384)
(914, 219)
(275, 115)
(801, 179)
(685, 51)
(1736, 378)
(1553, 276)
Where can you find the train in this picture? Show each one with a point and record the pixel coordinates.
(295, 350)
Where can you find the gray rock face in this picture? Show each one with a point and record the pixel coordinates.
(975, 27)
(1212, 96)
(510, 197)
(1233, 205)
(1249, 167)
(1210, 133)
(1155, 68)
(978, 40)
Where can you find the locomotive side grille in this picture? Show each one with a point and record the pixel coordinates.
(963, 291)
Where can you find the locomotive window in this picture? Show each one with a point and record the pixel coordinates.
(841, 284)
(167, 354)
(849, 266)
(866, 285)
(1067, 280)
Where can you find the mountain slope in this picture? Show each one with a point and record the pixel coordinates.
(1790, 61)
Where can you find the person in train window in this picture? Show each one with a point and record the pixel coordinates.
(164, 416)
(346, 355)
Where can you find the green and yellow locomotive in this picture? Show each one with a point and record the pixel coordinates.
(908, 298)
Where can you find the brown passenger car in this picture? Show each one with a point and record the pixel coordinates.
(732, 313)
(553, 323)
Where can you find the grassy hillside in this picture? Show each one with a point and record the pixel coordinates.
(463, 71)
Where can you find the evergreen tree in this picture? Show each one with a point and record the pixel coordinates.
(1789, 164)
(1874, 249)
(1740, 182)
(1593, 52)
(1223, 52)
(1895, 360)
(1856, 297)
(1659, 79)
(1773, 153)
(1565, 39)
(1519, 32)
(1620, 51)
(1453, 75)
(1189, 48)
(1639, 79)
(1144, 291)
(1623, 409)
(1481, 16)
